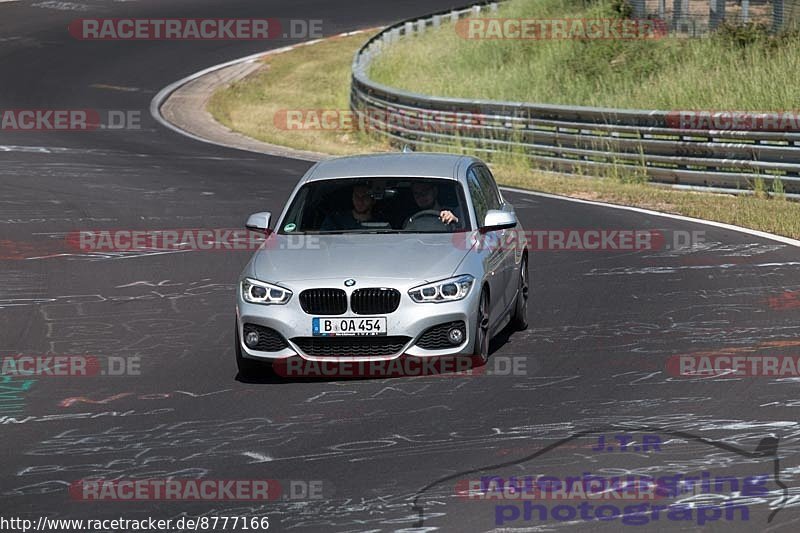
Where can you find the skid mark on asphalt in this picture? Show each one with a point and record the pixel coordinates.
(115, 88)
(718, 248)
(193, 289)
(627, 271)
(60, 417)
(62, 6)
(179, 450)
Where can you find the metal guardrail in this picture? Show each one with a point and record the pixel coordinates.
(571, 139)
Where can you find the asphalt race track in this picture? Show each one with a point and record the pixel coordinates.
(388, 454)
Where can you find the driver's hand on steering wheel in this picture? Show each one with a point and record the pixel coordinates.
(447, 217)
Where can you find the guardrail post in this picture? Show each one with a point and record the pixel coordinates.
(678, 13)
(745, 11)
(454, 16)
(638, 8)
(421, 26)
(409, 28)
(777, 15)
(437, 21)
(662, 10)
(716, 13)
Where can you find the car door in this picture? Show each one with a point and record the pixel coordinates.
(492, 249)
(508, 259)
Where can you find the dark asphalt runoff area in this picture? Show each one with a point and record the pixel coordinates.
(393, 454)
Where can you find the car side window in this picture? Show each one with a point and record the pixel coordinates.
(478, 196)
(493, 198)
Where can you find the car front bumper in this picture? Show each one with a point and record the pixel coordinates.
(410, 320)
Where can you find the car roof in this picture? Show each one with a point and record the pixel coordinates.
(394, 165)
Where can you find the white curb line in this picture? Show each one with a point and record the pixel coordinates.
(722, 225)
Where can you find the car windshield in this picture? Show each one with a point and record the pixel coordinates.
(380, 205)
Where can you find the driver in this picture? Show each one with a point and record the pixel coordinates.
(426, 196)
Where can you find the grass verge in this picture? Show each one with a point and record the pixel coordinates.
(738, 68)
(318, 77)
(314, 78)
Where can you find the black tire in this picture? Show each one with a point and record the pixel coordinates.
(481, 347)
(248, 368)
(520, 319)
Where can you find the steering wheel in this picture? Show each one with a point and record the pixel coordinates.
(426, 213)
(427, 220)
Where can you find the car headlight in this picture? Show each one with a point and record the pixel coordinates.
(448, 290)
(259, 292)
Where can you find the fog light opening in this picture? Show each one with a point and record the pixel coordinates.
(455, 336)
(251, 339)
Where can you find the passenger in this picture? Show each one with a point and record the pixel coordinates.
(363, 202)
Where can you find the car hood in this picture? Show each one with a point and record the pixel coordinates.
(424, 257)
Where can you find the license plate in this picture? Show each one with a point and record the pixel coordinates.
(348, 326)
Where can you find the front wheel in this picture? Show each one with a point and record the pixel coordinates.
(520, 319)
(481, 347)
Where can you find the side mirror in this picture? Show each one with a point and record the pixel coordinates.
(259, 222)
(497, 220)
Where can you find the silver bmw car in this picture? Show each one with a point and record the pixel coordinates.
(380, 256)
